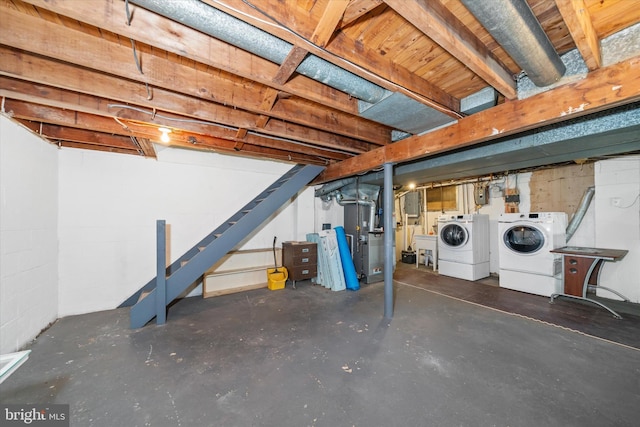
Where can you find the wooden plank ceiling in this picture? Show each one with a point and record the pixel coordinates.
(107, 74)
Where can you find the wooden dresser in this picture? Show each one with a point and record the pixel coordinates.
(300, 259)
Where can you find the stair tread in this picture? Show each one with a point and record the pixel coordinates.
(147, 310)
(143, 295)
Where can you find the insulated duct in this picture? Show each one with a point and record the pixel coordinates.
(580, 213)
(370, 203)
(347, 192)
(516, 29)
(209, 20)
(333, 186)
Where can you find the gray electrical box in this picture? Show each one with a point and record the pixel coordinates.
(482, 194)
(412, 203)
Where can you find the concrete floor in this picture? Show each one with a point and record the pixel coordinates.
(312, 357)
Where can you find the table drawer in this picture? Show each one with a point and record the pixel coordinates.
(303, 272)
(302, 260)
(300, 249)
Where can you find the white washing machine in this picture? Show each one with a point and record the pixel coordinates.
(524, 244)
(463, 246)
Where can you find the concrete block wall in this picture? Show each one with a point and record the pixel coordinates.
(78, 227)
(28, 235)
(617, 213)
(109, 204)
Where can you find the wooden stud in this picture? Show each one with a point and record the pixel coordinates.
(578, 20)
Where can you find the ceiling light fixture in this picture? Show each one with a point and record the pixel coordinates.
(165, 134)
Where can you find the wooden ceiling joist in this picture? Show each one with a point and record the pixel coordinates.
(288, 67)
(160, 72)
(577, 18)
(343, 52)
(153, 29)
(16, 89)
(445, 29)
(357, 9)
(147, 148)
(31, 67)
(89, 76)
(67, 119)
(328, 22)
(56, 132)
(608, 87)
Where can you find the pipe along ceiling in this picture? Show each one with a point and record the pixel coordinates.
(507, 23)
(515, 28)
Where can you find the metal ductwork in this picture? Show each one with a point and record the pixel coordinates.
(370, 203)
(330, 187)
(580, 213)
(393, 109)
(348, 192)
(515, 27)
(209, 20)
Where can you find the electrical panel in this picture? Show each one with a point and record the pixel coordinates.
(412, 203)
(482, 194)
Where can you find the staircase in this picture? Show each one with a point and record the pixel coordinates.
(146, 304)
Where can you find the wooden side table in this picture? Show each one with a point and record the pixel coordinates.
(300, 259)
(581, 268)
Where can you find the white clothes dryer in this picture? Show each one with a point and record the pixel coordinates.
(463, 246)
(524, 244)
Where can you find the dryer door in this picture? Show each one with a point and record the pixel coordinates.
(454, 235)
(523, 239)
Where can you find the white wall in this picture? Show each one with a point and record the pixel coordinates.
(28, 237)
(328, 213)
(496, 206)
(466, 204)
(618, 227)
(109, 204)
(79, 227)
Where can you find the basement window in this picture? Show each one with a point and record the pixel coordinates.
(442, 199)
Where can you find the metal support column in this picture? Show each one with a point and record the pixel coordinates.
(388, 240)
(161, 275)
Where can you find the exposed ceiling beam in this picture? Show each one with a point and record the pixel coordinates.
(320, 37)
(86, 51)
(46, 95)
(57, 132)
(36, 128)
(69, 119)
(155, 30)
(204, 144)
(358, 8)
(147, 148)
(344, 53)
(578, 20)
(437, 23)
(291, 62)
(604, 88)
(328, 22)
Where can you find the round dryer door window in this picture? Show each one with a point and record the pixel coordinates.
(523, 239)
(454, 235)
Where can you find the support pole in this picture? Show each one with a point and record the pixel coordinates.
(388, 240)
(161, 272)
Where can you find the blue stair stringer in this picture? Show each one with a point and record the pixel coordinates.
(192, 265)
